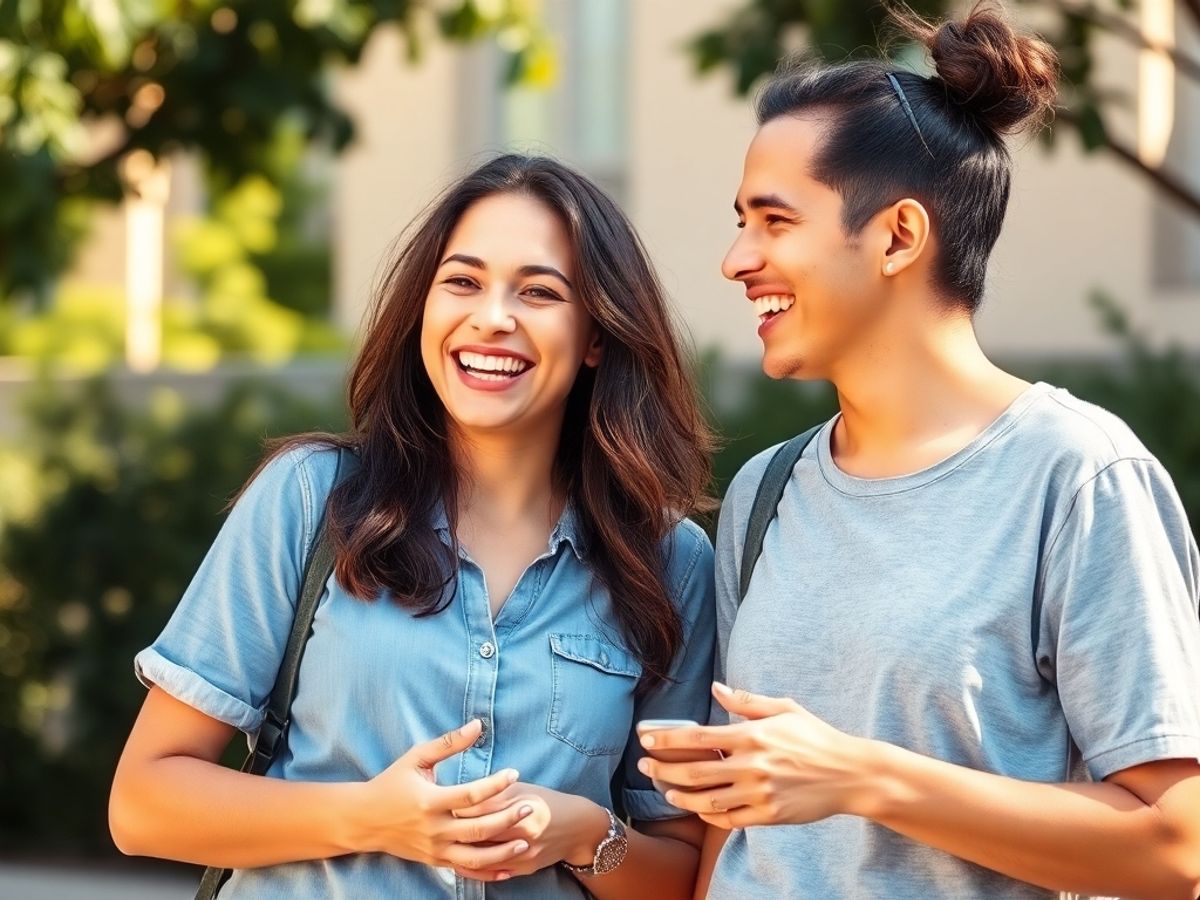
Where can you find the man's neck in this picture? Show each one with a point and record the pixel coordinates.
(918, 400)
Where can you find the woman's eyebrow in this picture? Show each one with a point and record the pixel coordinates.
(526, 271)
(473, 261)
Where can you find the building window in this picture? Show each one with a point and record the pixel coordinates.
(582, 117)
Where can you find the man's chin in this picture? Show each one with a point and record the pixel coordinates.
(779, 367)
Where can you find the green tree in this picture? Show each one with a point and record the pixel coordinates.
(83, 85)
(755, 36)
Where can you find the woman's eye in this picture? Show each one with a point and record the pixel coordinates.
(541, 293)
(460, 281)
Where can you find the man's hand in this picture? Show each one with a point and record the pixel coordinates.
(782, 766)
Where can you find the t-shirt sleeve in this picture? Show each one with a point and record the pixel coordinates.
(221, 649)
(685, 695)
(1120, 620)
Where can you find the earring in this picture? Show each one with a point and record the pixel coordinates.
(887, 268)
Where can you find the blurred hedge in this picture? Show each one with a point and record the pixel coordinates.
(106, 512)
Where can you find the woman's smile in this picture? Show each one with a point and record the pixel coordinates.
(490, 368)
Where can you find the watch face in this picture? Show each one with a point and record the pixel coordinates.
(611, 853)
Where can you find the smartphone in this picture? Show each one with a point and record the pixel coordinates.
(674, 756)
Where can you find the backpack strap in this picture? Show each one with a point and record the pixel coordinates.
(271, 736)
(766, 502)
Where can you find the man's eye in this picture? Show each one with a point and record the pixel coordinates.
(777, 220)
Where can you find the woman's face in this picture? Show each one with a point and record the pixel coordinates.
(504, 332)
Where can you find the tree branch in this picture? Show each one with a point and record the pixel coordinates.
(1167, 184)
(1193, 6)
(1122, 27)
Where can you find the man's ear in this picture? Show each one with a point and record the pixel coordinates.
(907, 235)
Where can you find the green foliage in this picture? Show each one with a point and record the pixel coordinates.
(105, 514)
(84, 327)
(224, 79)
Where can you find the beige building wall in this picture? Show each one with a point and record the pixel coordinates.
(406, 149)
(1077, 223)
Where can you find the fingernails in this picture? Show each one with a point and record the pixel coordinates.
(722, 689)
(644, 766)
(504, 876)
(647, 740)
(671, 797)
(525, 811)
(520, 847)
(511, 775)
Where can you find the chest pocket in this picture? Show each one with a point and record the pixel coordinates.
(593, 684)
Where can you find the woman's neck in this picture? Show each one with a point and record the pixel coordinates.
(505, 479)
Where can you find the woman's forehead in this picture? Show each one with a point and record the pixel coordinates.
(512, 229)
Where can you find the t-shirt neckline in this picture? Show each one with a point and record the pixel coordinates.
(865, 487)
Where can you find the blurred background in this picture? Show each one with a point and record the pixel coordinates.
(196, 196)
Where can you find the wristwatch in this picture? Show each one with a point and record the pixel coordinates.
(610, 853)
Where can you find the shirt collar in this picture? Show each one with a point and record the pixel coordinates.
(568, 529)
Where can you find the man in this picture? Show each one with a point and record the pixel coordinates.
(968, 662)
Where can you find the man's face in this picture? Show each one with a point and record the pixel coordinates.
(815, 291)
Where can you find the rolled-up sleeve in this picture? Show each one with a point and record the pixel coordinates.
(221, 649)
(687, 693)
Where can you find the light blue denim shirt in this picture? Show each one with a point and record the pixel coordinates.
(551, 677)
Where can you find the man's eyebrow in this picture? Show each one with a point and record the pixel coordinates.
(525, 271)
(765, 201)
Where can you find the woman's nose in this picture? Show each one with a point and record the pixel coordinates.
(495, 312)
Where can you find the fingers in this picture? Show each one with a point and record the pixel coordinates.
(726, 738)
(705, 774)
(743, 817)
(488, 828)
(492, 804)
(713, 802)
(473, 793)
(751, 706)
(430, 753)
(486, 876)
(474, 857)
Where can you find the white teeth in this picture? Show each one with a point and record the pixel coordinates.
(773, 303)
(479, 362)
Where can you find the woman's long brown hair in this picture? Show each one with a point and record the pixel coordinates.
(634, 454)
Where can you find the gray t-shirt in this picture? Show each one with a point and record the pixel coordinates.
(1027, 607)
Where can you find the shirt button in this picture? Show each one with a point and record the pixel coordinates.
(487, 649)
(482, 740)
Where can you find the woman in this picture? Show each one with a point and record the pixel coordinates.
(968, 662)
(510, 553)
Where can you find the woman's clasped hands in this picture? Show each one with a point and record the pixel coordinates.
(491, 829)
